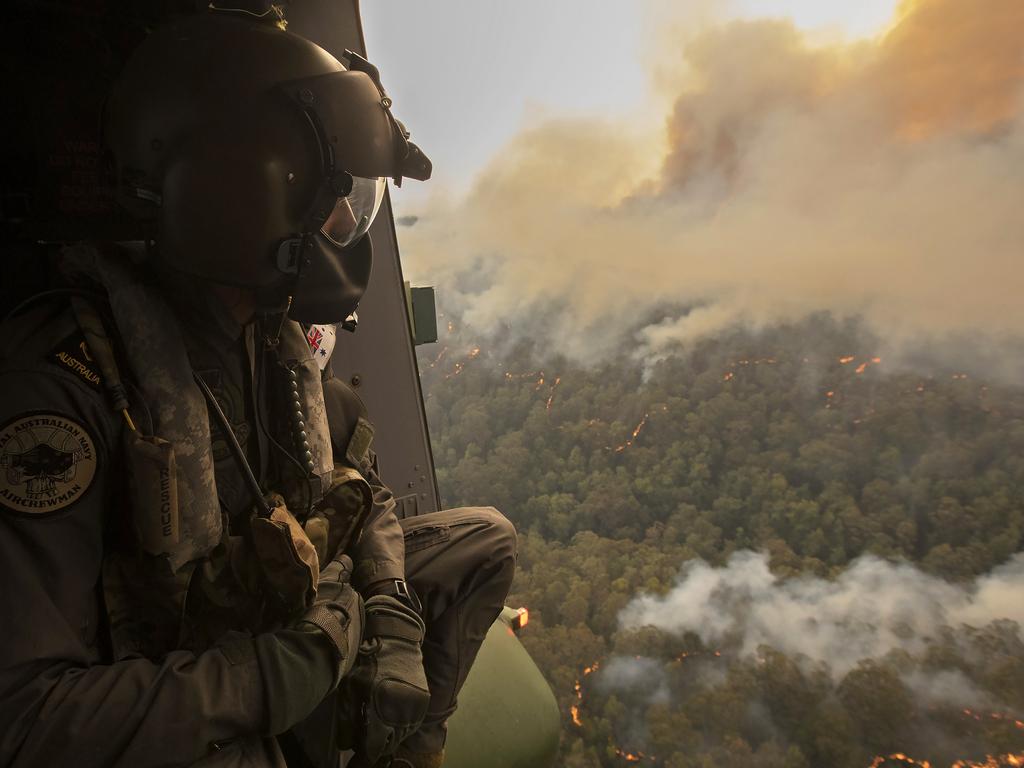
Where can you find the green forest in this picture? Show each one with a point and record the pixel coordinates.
(802, 443)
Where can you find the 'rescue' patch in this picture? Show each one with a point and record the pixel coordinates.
(47, 463)
(73, 355)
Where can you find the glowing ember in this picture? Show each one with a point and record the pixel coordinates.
(691, 654)
(551, 396)
(509, 376)
(633, 757)
(899, 757)
(636, 432)
(438, 359)
(574, 710)
(990, 761)
(1019, 724)
(473, 353)
(728, 376)
(861, 368)
(847, 359)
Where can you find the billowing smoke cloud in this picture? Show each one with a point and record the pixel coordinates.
(882, 178)
(873, 607)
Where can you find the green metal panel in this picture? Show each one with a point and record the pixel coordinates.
(424, 315)
(507, 715)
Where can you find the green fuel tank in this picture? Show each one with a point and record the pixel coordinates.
(507, 715)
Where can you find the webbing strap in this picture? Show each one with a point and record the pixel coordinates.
(383, 623)
(324, 619)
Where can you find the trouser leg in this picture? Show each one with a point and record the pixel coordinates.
(460, 562)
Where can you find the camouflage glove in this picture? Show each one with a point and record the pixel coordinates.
(388, 680)
(337, 524)
(338, 613)
(287, 558)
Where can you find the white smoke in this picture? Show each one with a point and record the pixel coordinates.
(623, 673)
(872, 608)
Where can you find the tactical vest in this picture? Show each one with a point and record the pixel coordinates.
(179, 577)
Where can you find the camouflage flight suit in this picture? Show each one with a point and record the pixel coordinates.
(64, 698)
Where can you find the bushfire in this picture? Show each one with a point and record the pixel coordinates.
(551, 395)
(636, 433)
(980, 717)
(630, 756)
(990, 761)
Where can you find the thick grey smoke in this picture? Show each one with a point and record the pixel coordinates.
(882, 179)
(873, 607)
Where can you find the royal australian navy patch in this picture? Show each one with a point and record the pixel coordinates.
(47, 463)
(73, 355)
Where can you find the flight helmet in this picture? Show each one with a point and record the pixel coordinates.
(259, 158)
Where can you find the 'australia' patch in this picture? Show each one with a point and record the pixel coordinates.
(321, 340)
(73, 355)
(47, 463)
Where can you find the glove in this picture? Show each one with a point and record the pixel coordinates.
(388, 679)
(298, 671)
(287, 558)
(337, 525)
(338, 613)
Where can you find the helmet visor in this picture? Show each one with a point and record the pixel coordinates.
(354, 213)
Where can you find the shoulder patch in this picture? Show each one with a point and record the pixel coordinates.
(73, 355)
(321, 340)
(47, 463)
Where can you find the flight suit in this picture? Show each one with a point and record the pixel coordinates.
(64, 697)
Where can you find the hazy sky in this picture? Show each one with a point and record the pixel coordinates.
(467, 74)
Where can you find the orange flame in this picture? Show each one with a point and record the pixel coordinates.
(438, 359)
(1019, 724)
(551, 396)
(631, 757)
(636, 432)
(991, 761)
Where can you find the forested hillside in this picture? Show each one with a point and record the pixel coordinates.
(643, 489)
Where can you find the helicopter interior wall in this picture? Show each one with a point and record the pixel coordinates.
(379, 359)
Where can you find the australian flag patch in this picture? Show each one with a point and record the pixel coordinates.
(321, 340)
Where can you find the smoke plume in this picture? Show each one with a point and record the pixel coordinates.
(880, 178)
(873, 608)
